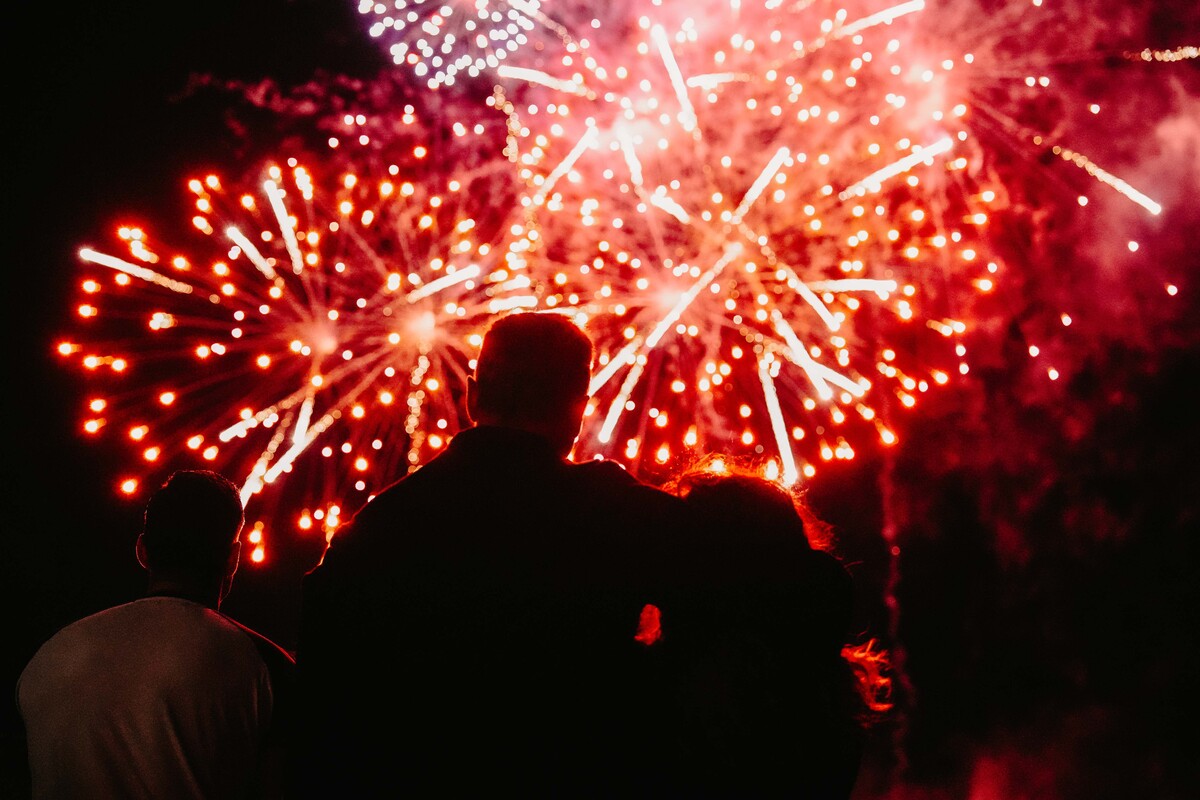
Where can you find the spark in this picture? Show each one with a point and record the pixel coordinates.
(1107, 178)
(874, 181)
(1177, 54)
(790, 472)
(92, 256)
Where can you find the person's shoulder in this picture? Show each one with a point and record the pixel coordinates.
(398, 496)
(607, 490)
(829, 570)
(281, 669)
(280, 663)
(271, 652)
(607, 477)
(379, 509)
(67, 634)
(606, 470)
(185, 622)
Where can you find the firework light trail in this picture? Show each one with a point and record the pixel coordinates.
(776, 218)
(320, 330)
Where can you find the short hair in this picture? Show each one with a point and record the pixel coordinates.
(191, 521)
(533, 365)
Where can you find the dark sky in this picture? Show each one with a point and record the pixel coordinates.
(1048, 569)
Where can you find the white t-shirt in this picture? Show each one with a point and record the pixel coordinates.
(158, 698)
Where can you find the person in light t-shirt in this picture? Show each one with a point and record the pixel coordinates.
(163, 697)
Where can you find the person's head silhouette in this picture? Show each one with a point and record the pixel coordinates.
(532, 374)
(189, 541)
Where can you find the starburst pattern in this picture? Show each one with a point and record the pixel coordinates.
(320, 329)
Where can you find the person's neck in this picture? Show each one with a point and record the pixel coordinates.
(547, 430)
(207, 596)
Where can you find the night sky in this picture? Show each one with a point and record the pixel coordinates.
(1045, 582)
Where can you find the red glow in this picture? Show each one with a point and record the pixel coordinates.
(649, 625)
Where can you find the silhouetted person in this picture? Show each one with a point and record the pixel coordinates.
(163, 697)
(471, 631)
(767, 703)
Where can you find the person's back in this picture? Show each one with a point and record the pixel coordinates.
(163, 696)
(473, 628)
(766, 703)
(160, 697)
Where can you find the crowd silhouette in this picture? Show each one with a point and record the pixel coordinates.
(501, 620)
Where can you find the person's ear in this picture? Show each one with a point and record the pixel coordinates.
(571, 424)
(472, 398)
(140, 550)
(235, 557)
(577, 415)
(578, 409)
(231, 565)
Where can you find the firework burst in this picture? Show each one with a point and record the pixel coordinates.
(320, 329)
(776, 218)
(757, 241)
